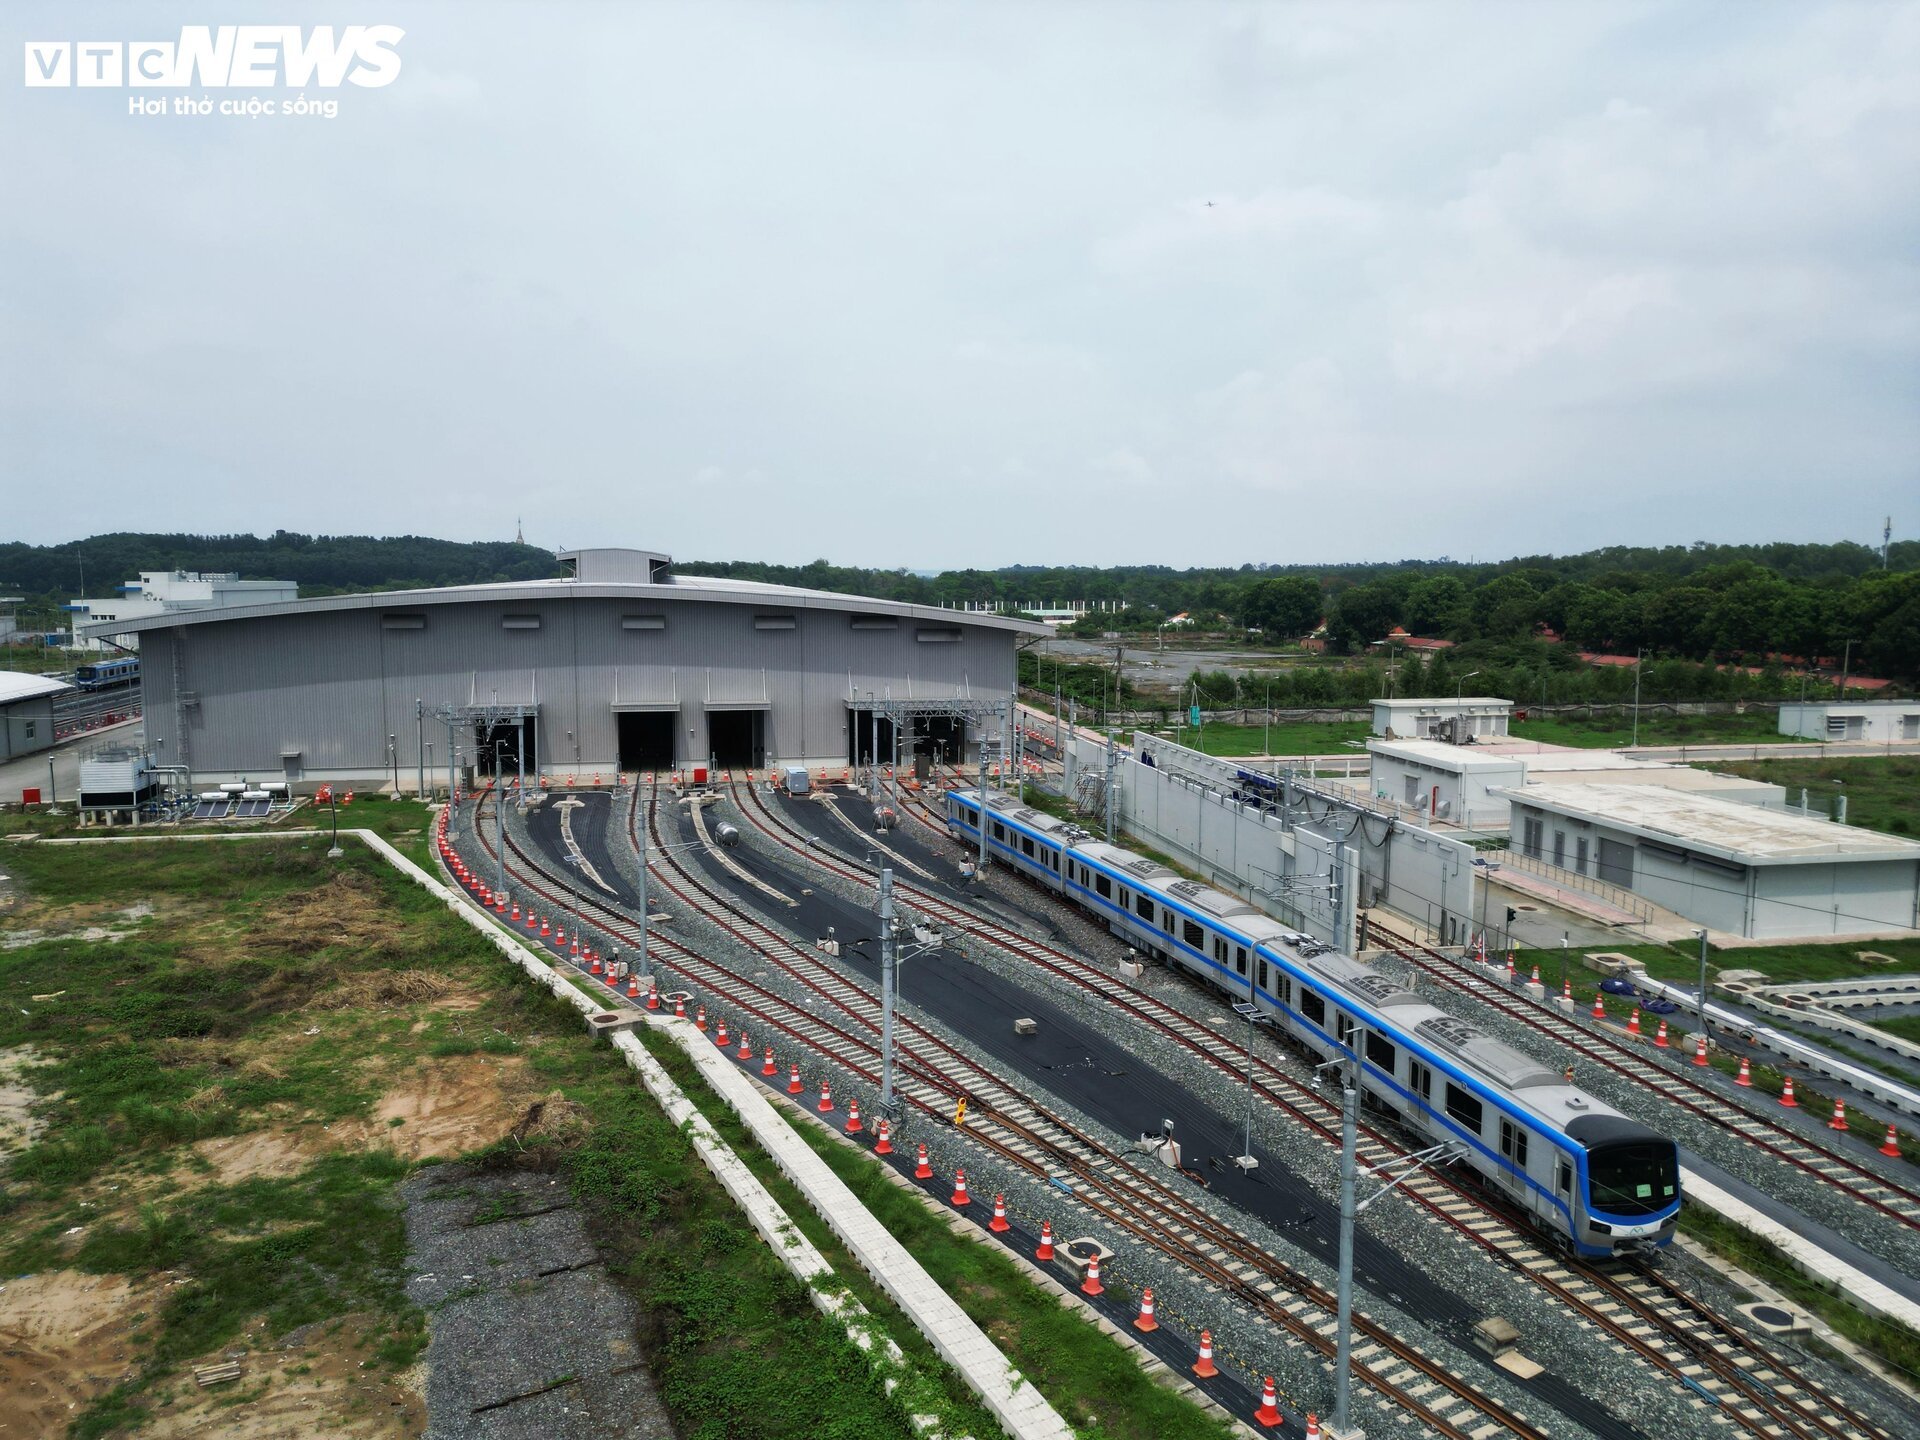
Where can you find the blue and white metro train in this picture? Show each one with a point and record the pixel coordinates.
(1595, 1180)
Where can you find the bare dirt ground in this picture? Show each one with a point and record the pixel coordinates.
(18, 1124)
(64, 1339)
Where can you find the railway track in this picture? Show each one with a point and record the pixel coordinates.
(931, 1074)
(1652, 1319)
(1881, 1194)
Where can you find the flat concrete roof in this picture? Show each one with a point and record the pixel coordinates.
(1442, 756)
(15, 685)
(1745, 834)
(520, 592)
(1441, 703)
(1851, 707)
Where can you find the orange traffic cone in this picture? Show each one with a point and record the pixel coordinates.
(1892, 1145)
(1313, 1427)
(1268, 1414)
(854, 1127)
(545, 928)
(745, 1052)
(576, 947)
(700, 1017)
(1599, 1007)
(1091, 1285)
(720, 1036)
(960, 1197)
(516, 912)
(1660, 1041)
(1144, 1321)
(1745, 1077)
(1839, 1121)
(633, 987)
(1045, 1249)
(794, 1087)
(1204, 1366)
(1566, 991)
(1633, 1023)
(1700, 1048)
(653, 993)
(921, 1169)
(884, 1145)
(769, 1068)
(826, 1096)
(679, 1007)
(1786, 1095)
(999, 1224)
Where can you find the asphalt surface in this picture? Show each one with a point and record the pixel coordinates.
(1090, 1071)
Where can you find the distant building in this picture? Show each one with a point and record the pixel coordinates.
(1462, 720)
(158, 591)
(1758, 873)
(26, 712)
(1870, 722)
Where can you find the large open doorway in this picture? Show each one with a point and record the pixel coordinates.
(646, 739)
(503, 741)
(867, 733)
(737, 738)
(941, 737)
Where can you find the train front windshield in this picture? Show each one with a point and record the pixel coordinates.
(1637, 1178)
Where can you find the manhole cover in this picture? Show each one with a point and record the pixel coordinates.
(1526, 907)
(1771, 1315)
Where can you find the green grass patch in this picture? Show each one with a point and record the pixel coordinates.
(1611, 731)
(1882, 792)
(1284, 737)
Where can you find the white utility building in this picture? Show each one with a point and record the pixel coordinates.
(1759, 873)
(1471, 717)
(1867, 722)
(1466, 785)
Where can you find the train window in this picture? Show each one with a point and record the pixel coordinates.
(1192, 934)
(1166, 920)
(1513, 1144)
(1143, 907)
(1286, 985)
(1380, 1052)
(1422, 1077)
(1262, 981)
(1103, 885)
(1026, 844)
(1053, 860)
(1313, 1007)
(1343, 1026)
(1465, 1107)
(1126, 897)
(1563, 1178)
(999, 831)
(1219, 949)
(1240, 958)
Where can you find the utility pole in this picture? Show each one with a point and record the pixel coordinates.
(1343, 1358)
(499, 821)
(1073, 744)
(983, 804)
(1702, 1007)
(646, 842)
(888, 981)
(420, 745)
(1113, 761)
(1846, 665)
(450, 757)
(1637, 653)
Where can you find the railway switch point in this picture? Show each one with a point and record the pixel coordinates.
(1839, 1121)
(1204, 1366)
(1269, 1412)
(1745, 1077)
(1045, 1250)
(794, 1087)
(960, 1197)
(1786, 1095)
(826, 1097)
(745, 1052)
(999, 1224)
(1660, 1041)
(1700, 1048)
(1891, 1146)
(769, 1068)
(1091, 1285)
(854, 1123)
(884, 1145)
(921, 1169)
(1144, 1321)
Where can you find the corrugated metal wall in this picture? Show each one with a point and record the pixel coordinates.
(332, 686)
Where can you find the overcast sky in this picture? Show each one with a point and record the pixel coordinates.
(938, 285)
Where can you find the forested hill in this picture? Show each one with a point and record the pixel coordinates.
(321, 564)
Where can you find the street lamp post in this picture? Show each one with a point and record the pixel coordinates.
(1252, 1014)
(1701, 1007)
(1460, 690)
(1638, 653)
(499, 821)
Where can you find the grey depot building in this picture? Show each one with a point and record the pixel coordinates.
(620, 663)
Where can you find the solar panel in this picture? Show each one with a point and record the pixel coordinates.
(207, 809)
(253, 809)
